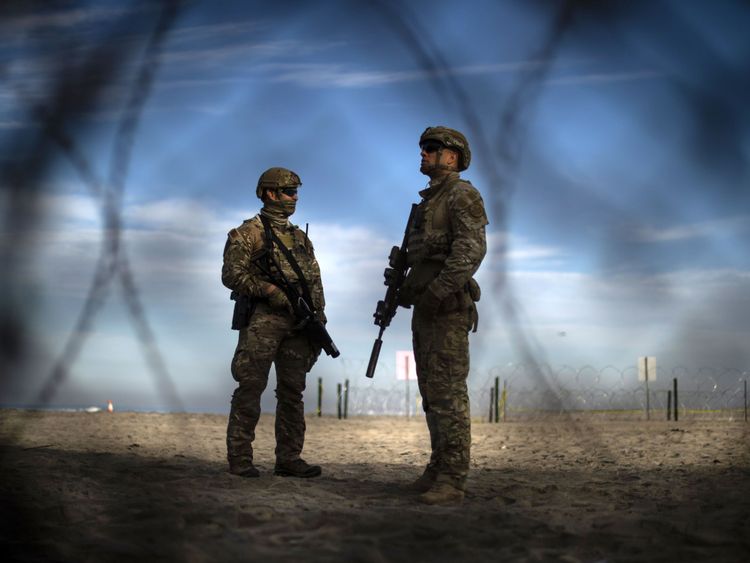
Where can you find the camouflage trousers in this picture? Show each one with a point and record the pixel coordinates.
(268, 339)
(441, 351)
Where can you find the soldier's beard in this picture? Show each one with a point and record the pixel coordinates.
(279, 208)
(434, 170)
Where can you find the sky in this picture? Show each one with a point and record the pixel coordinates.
(610, 144)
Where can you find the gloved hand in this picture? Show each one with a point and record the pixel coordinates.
(405, 297)
(428, 304)
(279, 302)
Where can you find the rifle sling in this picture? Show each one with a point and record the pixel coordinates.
(272, 239)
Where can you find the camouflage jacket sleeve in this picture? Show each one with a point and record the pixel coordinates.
(238, 272)
(469, 244)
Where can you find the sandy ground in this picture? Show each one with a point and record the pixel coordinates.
(128, 486)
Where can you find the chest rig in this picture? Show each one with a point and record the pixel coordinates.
(431, 234)
(285, 252)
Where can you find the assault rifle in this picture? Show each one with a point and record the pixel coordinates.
(301, 301)
(303, 312)
(394, 278)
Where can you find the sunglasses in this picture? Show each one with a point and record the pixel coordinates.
(431, 146)
(290, 192)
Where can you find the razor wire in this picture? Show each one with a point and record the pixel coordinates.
(113, 261)
(500, 164)
(607, 393)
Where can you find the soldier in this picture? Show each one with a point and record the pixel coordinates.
(446, 245)
(268, 332)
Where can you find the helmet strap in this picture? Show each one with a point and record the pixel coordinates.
(439, 166)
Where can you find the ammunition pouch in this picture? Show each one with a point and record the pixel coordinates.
(462, 299)
(244, 307)
(475, 292)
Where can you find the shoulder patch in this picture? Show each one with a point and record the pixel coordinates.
(468, 207)
(476, 210)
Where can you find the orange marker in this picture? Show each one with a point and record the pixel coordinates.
(110, 408)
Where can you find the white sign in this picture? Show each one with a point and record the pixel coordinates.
(406, 368)
(647, 368)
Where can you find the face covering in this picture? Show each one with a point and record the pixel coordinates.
(279, 209)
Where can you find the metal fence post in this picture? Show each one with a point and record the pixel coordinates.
(346, 398)
(497, 399)
(492, 403)
(505, 399)
(669, 405)
(320, 396)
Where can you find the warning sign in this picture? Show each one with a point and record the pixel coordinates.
(406, 368)
(647, 368)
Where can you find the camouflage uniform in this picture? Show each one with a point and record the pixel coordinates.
(445, 247)
(268, 338)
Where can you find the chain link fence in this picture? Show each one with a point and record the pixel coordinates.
(536, 392)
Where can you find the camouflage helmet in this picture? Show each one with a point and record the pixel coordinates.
(452, 139)
(275, 178)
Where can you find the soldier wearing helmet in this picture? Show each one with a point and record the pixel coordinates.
(263, 315)
(445, 246)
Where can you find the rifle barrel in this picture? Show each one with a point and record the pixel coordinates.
(374, 355)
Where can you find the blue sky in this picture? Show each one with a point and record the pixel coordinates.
(623, 205)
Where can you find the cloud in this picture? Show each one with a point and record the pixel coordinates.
(705, 229)
(236, 52)
(63, 19)
(327, 75)
(604, 78)
(15, 124)
(175, 247)
(70, 210)
(176, 216)
(518, 251)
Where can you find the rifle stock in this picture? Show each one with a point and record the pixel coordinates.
(314, 328)
(319, 336)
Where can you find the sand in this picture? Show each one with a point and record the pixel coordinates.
(129, 486)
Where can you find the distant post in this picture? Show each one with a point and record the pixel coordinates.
(408, 409)
(675, 399)
(669, 405)
(505, 399)
(646, 373)
(320, 396)
(346, 398)
(338, 400)
(404, 370)
(497, 399)
(492, 403)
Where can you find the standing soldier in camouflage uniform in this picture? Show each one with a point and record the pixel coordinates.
(446, 245)
(263, 314)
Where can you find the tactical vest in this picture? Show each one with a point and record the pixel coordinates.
(429, 245)
(302, 250)
(430, 237)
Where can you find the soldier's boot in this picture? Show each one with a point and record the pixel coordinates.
(443, 494)
(296, 468)
(425, 481)
(243, 469)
